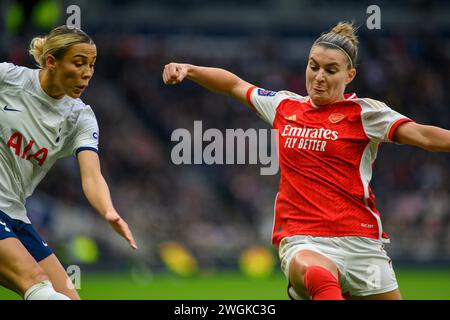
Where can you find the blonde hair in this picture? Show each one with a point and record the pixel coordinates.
(342, 37)
(56, 43)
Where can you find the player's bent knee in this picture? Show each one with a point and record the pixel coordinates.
(31, 276)
(312, 258)
(298, 267)
(37, 274)
(301, 263)
(297, 275)
(22, 276)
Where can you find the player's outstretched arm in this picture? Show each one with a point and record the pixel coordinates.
(214, 79)
(430, 138)
(97, 192)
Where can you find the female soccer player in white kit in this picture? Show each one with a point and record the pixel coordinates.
(42, 120)
(327, 227)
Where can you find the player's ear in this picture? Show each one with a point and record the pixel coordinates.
(50, 62)
(351, 74)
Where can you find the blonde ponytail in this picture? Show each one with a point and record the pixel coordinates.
(37, 50)
(56, 43)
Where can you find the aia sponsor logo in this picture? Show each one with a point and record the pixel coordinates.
(336, 117)
(17, 140)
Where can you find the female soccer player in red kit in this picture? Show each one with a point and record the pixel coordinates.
(327, 228)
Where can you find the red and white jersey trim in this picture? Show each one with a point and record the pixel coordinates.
(326, 156)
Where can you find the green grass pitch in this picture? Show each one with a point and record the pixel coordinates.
(415, 283)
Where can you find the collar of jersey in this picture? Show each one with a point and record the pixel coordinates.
(52, 101)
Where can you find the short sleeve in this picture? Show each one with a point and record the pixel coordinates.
(266, 102)
(10, 74)
(87, 133)
(380, 121)
(4, 68)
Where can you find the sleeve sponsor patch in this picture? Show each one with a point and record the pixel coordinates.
(266, 93)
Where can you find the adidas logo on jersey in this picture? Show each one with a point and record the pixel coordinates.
(291, 118)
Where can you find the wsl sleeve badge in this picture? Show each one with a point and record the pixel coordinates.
(266, 93)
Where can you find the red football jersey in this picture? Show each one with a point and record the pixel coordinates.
(326, 156)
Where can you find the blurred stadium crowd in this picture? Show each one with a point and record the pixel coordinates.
(218, 211)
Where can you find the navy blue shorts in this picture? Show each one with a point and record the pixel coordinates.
(26, 234)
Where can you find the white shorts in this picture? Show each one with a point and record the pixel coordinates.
(364, 266)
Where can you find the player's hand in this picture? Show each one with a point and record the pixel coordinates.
(121, 227)
(174, 73)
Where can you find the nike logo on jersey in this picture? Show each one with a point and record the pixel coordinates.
(45, 244)
(8, 108)
(4, 225)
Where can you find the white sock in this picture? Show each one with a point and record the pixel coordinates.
(44, 291)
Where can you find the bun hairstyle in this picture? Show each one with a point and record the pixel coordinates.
(56, 43)
(342, 37)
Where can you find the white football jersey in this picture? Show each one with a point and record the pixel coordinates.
(35, 131)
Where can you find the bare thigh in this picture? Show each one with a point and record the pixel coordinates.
(58, 276)
(18, 269)
(302, 260)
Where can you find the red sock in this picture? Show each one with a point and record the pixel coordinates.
(321, 284)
